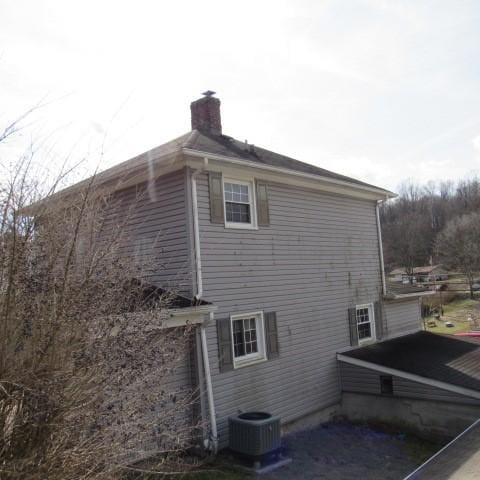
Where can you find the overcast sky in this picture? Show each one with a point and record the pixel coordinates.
(379, 90)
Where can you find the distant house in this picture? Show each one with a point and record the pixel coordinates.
(428, 273)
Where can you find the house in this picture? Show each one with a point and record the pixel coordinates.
(288, 257)
(428, 273)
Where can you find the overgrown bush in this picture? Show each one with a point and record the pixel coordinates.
(86, 381)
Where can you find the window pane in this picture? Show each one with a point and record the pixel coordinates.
(362, 315)
(236, 193)
(238, 340)
(245, 337)
(237, 212)
(364, 331)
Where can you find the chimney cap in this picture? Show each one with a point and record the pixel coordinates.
(209, 93)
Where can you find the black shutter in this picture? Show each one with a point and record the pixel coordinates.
(263, 216)
(271, 334)
(215, 185)
(378, 320)
(224, 336)
(352, 322)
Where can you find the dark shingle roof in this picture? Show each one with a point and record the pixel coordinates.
(230, 147)
(438, 357)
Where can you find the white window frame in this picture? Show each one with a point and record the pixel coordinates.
(250, 183)
(371, 318)
(250, 358)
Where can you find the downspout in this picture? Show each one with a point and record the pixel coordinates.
(380, 246)
(208, 381)
(196, 236)
(213, 443)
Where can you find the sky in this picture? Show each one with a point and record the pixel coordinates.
(384, 91)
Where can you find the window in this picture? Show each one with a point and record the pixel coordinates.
(239, 204)
(248, 338)
(386, 385)
(365, 323)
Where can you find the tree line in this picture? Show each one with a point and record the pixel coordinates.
(438, 222)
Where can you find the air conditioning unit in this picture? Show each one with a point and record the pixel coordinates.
(254, 433)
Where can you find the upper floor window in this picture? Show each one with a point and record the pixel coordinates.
(239, 204)
(365, 322)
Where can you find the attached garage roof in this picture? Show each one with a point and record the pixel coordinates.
(442, 358)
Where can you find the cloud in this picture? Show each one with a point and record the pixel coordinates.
(476, 143)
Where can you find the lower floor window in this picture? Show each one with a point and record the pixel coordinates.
(248, 338)
(365, 325)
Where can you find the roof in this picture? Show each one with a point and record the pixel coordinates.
(459, 460)
(442, 358)
(230, 147)
(425, 269)
(141, 167)
(148, 296)
(398, 290)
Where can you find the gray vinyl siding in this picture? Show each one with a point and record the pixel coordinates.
(318, 256)
(156, 226)
(356, 379)
(402, 317)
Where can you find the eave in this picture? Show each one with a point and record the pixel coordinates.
(196, 159)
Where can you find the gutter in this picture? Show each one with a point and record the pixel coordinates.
(212, 441)
(247, 163)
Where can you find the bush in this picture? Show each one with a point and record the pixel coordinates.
(81, 384)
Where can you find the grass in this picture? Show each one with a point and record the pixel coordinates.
(456, 312)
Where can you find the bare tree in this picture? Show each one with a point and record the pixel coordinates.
(458, 246)
(412, 221)
(82, 386)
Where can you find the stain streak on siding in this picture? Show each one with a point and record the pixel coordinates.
(318, 257)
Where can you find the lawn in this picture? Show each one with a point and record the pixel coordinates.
(456, 312)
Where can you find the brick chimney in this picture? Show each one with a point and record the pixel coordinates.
(206, 114)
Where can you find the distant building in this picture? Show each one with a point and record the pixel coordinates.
(429, 273)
